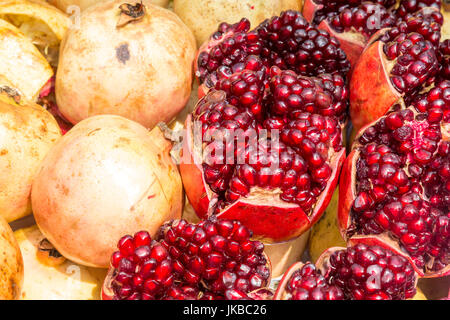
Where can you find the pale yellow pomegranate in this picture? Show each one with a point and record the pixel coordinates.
(203, 16)
(27, 132)
(136, 62)
(64, 5)
(11, 264)
(108, 176)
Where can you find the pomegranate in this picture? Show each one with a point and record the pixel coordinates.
(212, 260)
(276, 187)
(396, 181)
(69, 6)
(351, 22)
(11, 267)
(397, 63)
(27, 133)
(129, 59)
(359, 272)
(106, 177)
(203, 16)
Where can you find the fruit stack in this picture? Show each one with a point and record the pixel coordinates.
(138, 167)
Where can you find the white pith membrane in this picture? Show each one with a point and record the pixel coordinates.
(386, 238)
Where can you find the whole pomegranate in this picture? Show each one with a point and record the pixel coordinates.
(106, 177)
(203, 17)
(11, 267)
(264, 146)
(65, 5)
(133, 60)
(213, 260)
(359, 272)
(27, 132)
(396, 181)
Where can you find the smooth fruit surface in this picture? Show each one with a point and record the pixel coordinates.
(108, 176)
(11, 268)
(141, 70)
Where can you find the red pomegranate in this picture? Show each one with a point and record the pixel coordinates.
(396, 181)
(397, 63)
(213, 260)
(281, 91)
(359, 272)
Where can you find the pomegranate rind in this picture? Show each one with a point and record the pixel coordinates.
(281, 289)
(269, 223)
(371, 90)
(347, 192)
(107, 293)
(309, 9)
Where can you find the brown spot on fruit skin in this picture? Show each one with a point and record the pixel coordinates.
(122, 53)
(3, 152)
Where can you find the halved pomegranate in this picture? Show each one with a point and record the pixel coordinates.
(282, 128)
(397, 63)
(396, 182)
(213, 260)
(359, 272)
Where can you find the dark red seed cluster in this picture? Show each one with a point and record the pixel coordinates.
(308, 283)
(371, 273)
(403, 179)
(415, 61)
(330, 9)
(287, 41)
(410, 6)
(359, 272)
(209, 261)
(366, 19)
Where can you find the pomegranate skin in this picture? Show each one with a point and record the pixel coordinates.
(141, 70)
(369, 100)
(106, 171)
(264, 219)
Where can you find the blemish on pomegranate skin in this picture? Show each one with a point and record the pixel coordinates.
(151, 196)
(122, 53)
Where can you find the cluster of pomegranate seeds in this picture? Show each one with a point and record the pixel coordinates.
(308, 283)
(427, 24)
(285, 75)
(403, 179)
(142, 269)
(330, 9)
(308, 112)
(415, 61)
(410, 6)
(290, 42)
(371, 273)
(218, 255)
(444, 58)
(366, 19)
(359, 272)
(287, 41)
(210, 261)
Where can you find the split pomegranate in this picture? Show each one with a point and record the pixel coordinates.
(269, 146)
(396, 181)
(359, 272)
(397, 63)
(214, 260)
(351, 22)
